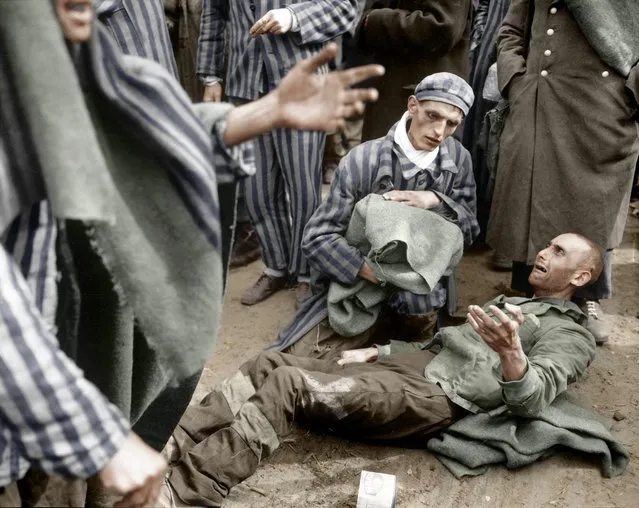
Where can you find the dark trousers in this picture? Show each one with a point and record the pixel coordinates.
(599, 290)
(224, 438)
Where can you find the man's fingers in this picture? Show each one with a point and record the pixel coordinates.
(271, 26)
(314, 62)
(499, 314)
(473, 323)
(516, 312)
(257, 28)
(360, 95)
(353, 76)
(482, 318)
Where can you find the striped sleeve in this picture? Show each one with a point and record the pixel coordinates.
(461, 198)
(58, 420)
(210, 51)
(323, 20)
(324, 244)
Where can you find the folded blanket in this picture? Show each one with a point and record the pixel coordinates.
(612, 29)
(408, 248)
(473, 443)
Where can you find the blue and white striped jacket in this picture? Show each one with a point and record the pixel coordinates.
(376, 167)
(256, 65)
(139, 27)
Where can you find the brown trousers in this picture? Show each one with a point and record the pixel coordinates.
(224, 438)
(324, 343)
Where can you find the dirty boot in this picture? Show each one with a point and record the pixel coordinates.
(264, 287)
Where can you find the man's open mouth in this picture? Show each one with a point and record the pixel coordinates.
(541, 268)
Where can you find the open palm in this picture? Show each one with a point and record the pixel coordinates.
(312, 101)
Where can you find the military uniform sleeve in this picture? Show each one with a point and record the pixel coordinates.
(434, 27)
(211, 45)
(461, 199)
(511, 50)
(324, 244)
(320, 21)
(62, 423)
(557, 360)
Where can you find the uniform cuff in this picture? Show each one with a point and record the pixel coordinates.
(517, 392)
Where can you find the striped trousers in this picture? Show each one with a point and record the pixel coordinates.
(284, 193)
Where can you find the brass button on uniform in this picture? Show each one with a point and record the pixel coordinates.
(547, 52)
(605, 74)
(544, 73)
(553, 10)
(550, 31)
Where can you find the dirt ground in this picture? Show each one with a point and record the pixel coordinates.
(313, 470)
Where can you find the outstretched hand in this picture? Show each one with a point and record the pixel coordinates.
(311, 101)
(501, 336)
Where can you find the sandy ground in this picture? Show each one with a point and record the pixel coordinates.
(313, 470)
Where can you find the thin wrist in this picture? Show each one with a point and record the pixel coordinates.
(514, 352)
(275, 105)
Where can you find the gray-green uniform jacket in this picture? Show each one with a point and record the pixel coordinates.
(557, 346)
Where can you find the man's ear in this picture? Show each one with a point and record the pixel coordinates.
(581, 278)
(412, 105)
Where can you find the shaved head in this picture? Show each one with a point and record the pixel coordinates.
(593, 258)
(570, 261)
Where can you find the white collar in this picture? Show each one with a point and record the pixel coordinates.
(421, 158)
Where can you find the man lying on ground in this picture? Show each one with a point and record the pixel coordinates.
(417, 163)
(521, 352)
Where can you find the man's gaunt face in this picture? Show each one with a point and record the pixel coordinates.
(76, 17)
(432, 122)
(559, 265)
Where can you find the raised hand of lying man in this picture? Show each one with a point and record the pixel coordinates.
(502, 337)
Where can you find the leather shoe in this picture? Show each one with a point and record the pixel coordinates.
(264, 287)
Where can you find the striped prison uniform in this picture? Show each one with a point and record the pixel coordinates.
(376, 167)
(286, 188)
(140, 29)
(50, 415)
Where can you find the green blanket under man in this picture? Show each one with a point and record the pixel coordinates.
(408, 248)
(472, 444)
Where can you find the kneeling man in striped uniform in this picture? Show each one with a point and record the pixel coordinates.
(417, 163)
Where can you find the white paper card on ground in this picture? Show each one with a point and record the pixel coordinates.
(376, 490)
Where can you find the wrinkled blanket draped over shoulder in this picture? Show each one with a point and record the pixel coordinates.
(612, 29)
(472, 444)
(128, 183)
(408, 248)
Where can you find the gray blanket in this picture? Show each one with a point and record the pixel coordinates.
(612, 29)
(408, 248)
(477, 441)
